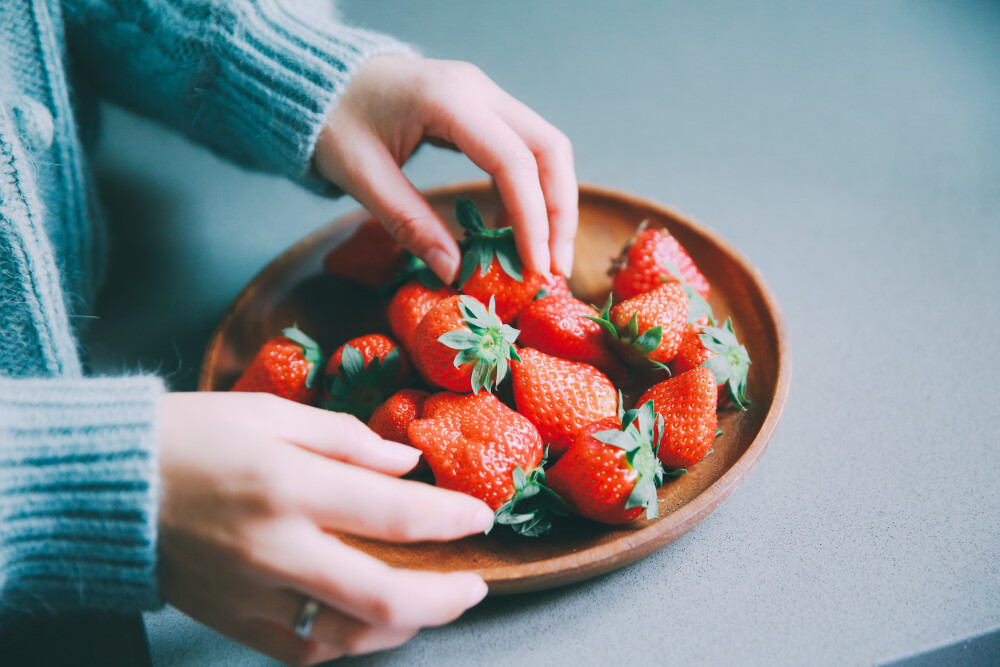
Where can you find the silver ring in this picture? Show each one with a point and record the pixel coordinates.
(306, 619)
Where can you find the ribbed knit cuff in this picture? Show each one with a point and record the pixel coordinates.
(279, 79)
(79, 492)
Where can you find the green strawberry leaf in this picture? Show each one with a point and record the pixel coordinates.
(510, 261)
(605, 325)
(468, 216)
(469, 262)
(720, 368)
(310, 351)
(649, 340)
(352, 365)
(459, 339)
(619, 439)
(485, 252)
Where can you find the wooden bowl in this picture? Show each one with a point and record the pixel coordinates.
(294, 289)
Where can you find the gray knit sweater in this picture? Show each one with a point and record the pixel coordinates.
(79, 472)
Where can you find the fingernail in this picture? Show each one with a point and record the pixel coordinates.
(565, 255)
(402, 453)
(477, 592)
(484, 520)
(545, 267)
(442, 263)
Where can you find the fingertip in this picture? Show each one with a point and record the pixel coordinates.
(478, 590)
(540, 261)
(563, 258)
(483, 520)
(443, 263)
(401, 458)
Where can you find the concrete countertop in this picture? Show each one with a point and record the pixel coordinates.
(852, 152)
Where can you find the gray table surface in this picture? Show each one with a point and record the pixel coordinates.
(852, 152)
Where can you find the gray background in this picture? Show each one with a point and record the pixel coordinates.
(852, 152)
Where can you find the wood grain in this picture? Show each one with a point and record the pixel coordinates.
(294, 289)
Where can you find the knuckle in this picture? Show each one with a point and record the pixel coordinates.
(517, 159)
(408, 230)
(560, 143)
(464, 70)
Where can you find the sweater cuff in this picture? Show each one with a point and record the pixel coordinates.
(279, 79)
(79, 493)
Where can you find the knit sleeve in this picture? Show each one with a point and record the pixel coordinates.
(246, 79)
(79, 492)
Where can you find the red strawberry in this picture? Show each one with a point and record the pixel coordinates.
(409, 305)
(491, 266)
(286, 366)
(556, 286)
(362, 373)
(652, 257)
(391, 419)
(610, 473)
(369, 256)
(561, 326)
(647, 329)
(473, 443)
(720, 351)
(464, 347)
(560, 397)
(687, 404)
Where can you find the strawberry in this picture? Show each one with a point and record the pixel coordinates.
(362, 373)
(650, 258)
(491, 266)
(647, 329)
(409, 305)
(687, 404)
(473, 443)
(561, 326)
(560, 397)
(391, 420)
(464, 347)
(369, 256)
(286, 366)
(610, 473)
(720, 351)
(555, 286)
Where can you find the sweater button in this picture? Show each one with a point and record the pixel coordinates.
(34, 124)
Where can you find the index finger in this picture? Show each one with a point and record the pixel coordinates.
(497, 149)
(338, 436)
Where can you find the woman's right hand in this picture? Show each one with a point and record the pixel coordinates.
(251, 485)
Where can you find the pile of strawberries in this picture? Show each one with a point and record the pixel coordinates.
(558, 439)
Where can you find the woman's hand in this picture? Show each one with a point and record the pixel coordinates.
(395, 103)
(251, 485)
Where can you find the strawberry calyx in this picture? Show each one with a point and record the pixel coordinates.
(530, 510)
(731, 362)
(360, 388)
(481, 245)
(310, 351)
(413, 268)
(487, 342)
(632, 346)
(637, 438)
